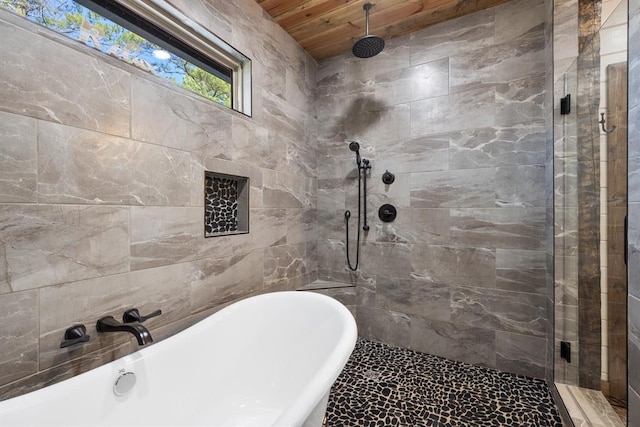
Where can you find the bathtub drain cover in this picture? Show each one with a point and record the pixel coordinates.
(124, 384)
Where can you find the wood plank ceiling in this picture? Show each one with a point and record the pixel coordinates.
(326, 28)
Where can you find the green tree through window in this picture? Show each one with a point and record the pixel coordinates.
(79, 23)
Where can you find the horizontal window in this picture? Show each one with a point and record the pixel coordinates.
(153, 36)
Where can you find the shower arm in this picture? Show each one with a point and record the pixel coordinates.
(366, 8)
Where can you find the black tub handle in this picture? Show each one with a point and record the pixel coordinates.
(133, 315)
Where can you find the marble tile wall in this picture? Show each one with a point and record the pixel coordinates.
(458, 112)
(634, 215)
(102, 184)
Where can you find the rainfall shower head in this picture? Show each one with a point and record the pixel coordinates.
(354, 146)
(369, 45)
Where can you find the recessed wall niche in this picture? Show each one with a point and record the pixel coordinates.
(226, 204)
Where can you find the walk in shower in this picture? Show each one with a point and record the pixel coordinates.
(590, 198)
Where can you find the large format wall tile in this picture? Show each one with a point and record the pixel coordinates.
(253, 144)
(422, 154)
(165, 235)
(454, 189)
(523, 354)
(79, 166)
(521, 101)
(18, 162)
(511, 60)
(454, 265)
(208, 14)
(267, 227)
(518, 17)
(521, 186)
(47, 244)
(189, 124)
(301, 156)
(454, 341)
(273, 76)
(83, 91)
(465, 34)
(378, 121)
(508, 228)
(285, 262)
(165, 288)
(522, 271)
(282, 117)
(382, 325)
(217, 281)
(331, 194)
(289, 191)
(482, 147)
(388, 260)
(416, 226)
(18, 335)
(411, 84)
(459, 111)
(302, 225)
(565, 40)
(500, 310)
(425, 299)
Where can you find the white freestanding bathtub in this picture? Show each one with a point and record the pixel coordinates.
(268, 360)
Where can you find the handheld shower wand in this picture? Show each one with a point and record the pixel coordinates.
(362, 165)
(354, 146)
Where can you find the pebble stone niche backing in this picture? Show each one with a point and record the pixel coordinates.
(389, 386)
(224, 204)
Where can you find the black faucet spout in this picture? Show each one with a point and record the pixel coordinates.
(110, 324)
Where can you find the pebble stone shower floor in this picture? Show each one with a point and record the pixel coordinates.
(388, 386)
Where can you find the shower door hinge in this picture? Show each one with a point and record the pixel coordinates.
(565, 351)
(565, 105)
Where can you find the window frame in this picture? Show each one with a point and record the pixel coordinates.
(206, 48)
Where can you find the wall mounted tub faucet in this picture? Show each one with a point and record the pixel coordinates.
(110, 324)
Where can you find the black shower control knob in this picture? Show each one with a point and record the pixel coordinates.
(388, 178)
(387, 213)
